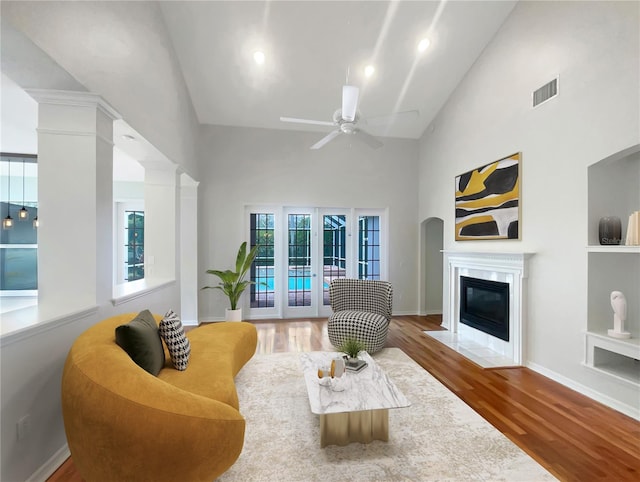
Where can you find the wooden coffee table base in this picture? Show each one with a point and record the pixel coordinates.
(348, 427)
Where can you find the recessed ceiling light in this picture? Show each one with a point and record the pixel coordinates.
(423, 44)
(369, 70)
(258, 56)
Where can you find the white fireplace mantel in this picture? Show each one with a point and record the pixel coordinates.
(511, 268)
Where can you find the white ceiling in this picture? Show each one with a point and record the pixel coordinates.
(309, 47)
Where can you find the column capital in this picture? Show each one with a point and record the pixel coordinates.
(160, 172)
(73, 98)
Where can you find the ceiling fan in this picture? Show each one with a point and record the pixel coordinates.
(347, 118)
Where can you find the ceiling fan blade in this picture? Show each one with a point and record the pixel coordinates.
(307, 121)
(380, 120)
(368, 139)
(326, 139)
(349, 102)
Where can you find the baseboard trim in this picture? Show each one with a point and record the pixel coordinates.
(51, 465)
(628, 410)
(210, 319)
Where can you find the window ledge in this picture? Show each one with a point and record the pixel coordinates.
(26, 322)
(125, 292)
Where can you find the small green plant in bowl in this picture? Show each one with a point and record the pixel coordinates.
(352, 347)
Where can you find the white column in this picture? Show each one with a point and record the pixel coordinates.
(161, 233)
(188, 250)
(75, 197)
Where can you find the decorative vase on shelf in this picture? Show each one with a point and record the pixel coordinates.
(610, 230)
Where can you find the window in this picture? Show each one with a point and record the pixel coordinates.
(134, 247)
(19, 244)
(129, 242)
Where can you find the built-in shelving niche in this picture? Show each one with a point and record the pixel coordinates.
(613, 191)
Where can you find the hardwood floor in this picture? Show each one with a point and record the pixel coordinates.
(572, 436)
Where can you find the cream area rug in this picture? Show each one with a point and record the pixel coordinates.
(438, 438)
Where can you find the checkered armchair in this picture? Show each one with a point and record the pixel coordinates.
(361, 311)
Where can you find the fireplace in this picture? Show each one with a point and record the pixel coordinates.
(494, 276)
(484, 305)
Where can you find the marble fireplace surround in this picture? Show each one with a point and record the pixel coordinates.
(483, 348)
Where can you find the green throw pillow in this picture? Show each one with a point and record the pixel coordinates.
(141, 340)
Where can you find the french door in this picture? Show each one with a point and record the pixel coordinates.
(301, 250)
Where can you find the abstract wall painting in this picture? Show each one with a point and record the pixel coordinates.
(488, 201)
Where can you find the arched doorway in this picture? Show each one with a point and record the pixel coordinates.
(431, 274)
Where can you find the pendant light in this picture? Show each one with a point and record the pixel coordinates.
(23, 214)
(7, 223)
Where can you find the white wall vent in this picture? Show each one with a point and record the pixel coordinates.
(546, 92)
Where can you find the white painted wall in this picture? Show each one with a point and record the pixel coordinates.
(19, 117)
(593, 47)
(242, 166)
(130, 42)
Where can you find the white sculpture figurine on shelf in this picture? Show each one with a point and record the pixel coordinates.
(619, 305)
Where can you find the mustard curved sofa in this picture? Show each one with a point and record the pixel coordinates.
(124, 424)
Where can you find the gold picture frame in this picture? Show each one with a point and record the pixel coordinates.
(487, 201)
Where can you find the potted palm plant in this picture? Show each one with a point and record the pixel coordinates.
(232, 283)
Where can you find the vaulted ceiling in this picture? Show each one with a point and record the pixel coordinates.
(313, 48)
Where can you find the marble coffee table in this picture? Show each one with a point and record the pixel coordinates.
(360, 412)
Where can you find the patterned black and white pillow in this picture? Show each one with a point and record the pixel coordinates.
(172, 333)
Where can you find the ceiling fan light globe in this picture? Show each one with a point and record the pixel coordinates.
(349, 102)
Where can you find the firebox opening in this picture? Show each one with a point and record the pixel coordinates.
(484, 305)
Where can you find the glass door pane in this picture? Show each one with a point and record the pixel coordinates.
(334, 247)
(299, 265)
(369, 247)
(262, 234)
